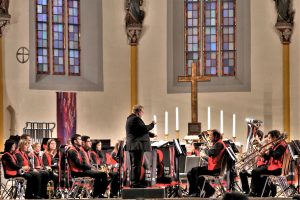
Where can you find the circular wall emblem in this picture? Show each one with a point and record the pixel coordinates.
(22, 55)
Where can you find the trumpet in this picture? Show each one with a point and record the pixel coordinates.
(248, 161)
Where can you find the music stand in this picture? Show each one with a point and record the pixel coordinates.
(120, 159)
(176, 190)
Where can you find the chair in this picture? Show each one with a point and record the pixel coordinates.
(82, 187)
(216, 178)
(280, 181)
(14, 188)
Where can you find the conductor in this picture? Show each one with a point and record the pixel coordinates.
(137, 142)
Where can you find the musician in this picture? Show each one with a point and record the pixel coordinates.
(257, 142)
(274, 157)
(41, 177)
(215, 153)
(190, 150)
(80, 166)
(98, 157)
(137, 142)
(37, 161)
(50, 161)
(12, 169)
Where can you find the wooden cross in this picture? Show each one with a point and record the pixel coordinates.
(194, 79)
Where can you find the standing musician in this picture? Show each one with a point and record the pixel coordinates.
(137, 142)
(13, 169)
(274, 157)
(50, 161)
(41, 176)
(215, 153)
(244, 174)
(80, 166)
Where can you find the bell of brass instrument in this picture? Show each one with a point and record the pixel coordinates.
(21, 171)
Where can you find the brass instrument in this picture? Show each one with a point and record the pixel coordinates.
(50, 189)
(248, 161)
(21, 171)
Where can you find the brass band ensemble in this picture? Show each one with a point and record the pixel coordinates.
(83, 169)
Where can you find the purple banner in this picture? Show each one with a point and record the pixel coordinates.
(66, 115)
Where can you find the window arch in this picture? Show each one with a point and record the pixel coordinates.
(65, 36)
(58, 30)
(222, 49)
(210, 29)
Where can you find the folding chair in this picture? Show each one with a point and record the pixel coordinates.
(280, 182)
(216, 179)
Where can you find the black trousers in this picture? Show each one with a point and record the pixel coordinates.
(136, 158)
(100, 183)
(44, 182)
(258, 182)
(196, 183)
(244, 181)
(114, 183)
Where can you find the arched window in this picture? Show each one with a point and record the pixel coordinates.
(66, 48)
(58, 30)
(210, 34)
(214, 34)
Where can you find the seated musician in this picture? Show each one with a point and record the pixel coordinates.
(50, 161)
(13, 169)
(190, 150)
(98, 158)
(215, 154)
(274, 157)
(244, 174)
(80, 166)
(41, 177)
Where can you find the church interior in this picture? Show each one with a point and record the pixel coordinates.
(196, 67)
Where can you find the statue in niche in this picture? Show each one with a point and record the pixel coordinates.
(4, 4)
(284, 11)
(134, 14)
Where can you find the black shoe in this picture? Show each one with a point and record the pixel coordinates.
(253, 194)
(102, 196)
(194, 195)
(209, 193)
(138, 186)
(273, 190)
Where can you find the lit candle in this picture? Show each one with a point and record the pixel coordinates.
(233, 125)
(166, 123)
(221, 121)
(208, 118)
(155, 126)
(177, 119)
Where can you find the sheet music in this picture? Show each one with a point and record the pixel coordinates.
(159, 143)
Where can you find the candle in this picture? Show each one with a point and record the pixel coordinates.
(208, 118)
(233, 125)
(177, 119)
(221, 121)
(166, 123)
(155, 126)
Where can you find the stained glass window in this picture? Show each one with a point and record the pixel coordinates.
(58, 30)
(228, 37)
(73, 27)
(210, 28)
(42, 36)
(64, 15)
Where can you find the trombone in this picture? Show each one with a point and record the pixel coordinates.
(248, 162)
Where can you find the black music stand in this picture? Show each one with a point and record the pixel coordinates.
(176, 190)
(120, 158)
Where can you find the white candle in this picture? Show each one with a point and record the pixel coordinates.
(166, 123)
(233, 125)
(221, 121)
(177, 119)
(155, 126)
(208, 118)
